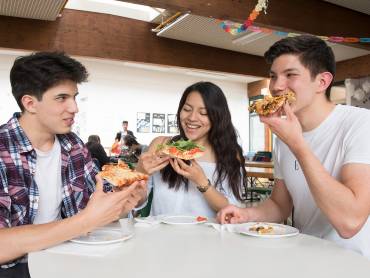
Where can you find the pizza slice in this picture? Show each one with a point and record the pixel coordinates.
(269, 104)
(183, 149)
(121, 175)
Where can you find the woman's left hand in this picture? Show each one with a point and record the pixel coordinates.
(192, 172)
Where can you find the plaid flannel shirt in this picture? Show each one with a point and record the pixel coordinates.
(19, 195)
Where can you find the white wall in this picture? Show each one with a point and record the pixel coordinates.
(7, 103)
(116, 92)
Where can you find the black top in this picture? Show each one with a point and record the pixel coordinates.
(97, 151)
(119, 134)
(18, 271)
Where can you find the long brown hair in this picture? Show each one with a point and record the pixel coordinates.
(222, 137)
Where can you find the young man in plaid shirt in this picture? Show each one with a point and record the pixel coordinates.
(48, 191)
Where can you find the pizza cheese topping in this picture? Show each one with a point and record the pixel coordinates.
(262, 229)
(269, 104)
(121, 175)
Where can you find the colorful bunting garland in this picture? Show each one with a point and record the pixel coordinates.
(237, 28)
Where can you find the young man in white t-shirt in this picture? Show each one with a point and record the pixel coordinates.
(48, 189)
(322, 154)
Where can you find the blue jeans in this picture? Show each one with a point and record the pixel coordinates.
(18, 271)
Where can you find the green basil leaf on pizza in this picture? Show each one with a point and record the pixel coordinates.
(183, 149)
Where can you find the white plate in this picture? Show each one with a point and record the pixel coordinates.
(103, 237)
(181, 220)
(279, 230)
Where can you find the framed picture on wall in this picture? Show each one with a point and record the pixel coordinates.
(143, 122)
(172, 124)
(158, 121)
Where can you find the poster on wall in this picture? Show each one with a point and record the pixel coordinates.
(143, 122)
(158, 125)
(172, 124)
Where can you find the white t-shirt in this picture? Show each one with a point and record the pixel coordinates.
(49, 182)
(342, 138)
(181, 202)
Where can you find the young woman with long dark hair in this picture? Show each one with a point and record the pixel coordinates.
(209, 183)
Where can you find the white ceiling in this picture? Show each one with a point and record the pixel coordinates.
(36, 9)
(362, 6)
(207, 31)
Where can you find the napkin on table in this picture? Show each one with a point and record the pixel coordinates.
(72, 248)
(150, 221)
(232, 228)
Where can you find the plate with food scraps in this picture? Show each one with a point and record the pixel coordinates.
(183, 220)
(266, 230)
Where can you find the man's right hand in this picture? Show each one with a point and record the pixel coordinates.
(106, 207)
(232, 215)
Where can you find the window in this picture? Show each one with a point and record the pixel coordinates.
(260, 137)
(256, 134)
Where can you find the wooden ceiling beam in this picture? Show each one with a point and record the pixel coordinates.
(254, 88)
(313, 17)
(113, 37)
(353, 68)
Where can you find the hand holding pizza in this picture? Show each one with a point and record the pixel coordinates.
(192, 172)
(104, 208)
(288, 129)
(151, 162)
(141, 192)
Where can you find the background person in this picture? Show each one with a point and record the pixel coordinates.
(97, 151)
(132, 151)
(121, 134)
(118, 145)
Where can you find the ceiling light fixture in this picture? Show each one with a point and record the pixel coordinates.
(249, 37)
(207, 75)
(146, 67)
(172, 24)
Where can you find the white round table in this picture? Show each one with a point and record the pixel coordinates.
(201, 251)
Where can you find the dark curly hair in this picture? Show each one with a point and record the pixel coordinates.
(36, 73)
(312, 52)
(222, 137)
(130, 140)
